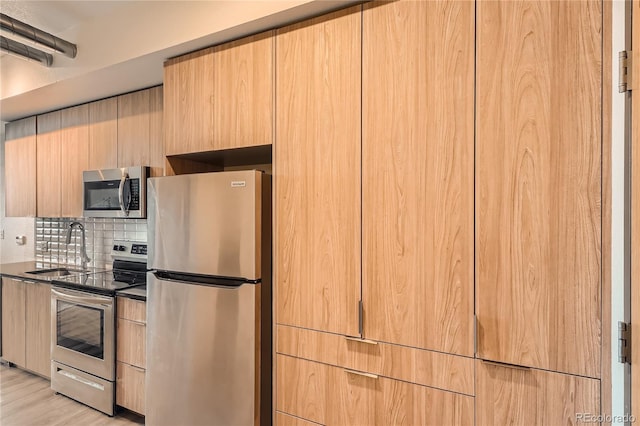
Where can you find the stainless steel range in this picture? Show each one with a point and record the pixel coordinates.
(83, 327)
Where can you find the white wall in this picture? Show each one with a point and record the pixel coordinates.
(10, 227)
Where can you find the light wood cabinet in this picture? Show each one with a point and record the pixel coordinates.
(13, 321)
(417, 172)
(48, 169)
(103, 134)
(317, 151)
(330, 395)
(538, 184)
(518, 396)
(243, 92)
(221, 97)
(38, 328)
(188, 103)
(74, 157)
(26, 325)
(139, 140)
(20, 167)
(130, 353)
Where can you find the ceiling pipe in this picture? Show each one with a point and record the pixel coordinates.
(12, 46)
(36, 35)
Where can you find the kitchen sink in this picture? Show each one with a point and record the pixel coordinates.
(56, 272)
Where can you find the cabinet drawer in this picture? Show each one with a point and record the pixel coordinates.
(444, 371)
(130, 392)
(131, 343)
(335, 396)
(134, 310)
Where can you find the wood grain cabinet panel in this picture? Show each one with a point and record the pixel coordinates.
(283, 419)
(317, 152)
(20, 167)
(435, 369)
(38, 328)
(538, 184)
(130, 390)
(133, 129)
(516, 396)
(188, 103)
(333, 396)
(156, 131)
(13, 321)
(103, 134)
(48, 165)
(132, 345)
(417, 171)
(131, 353)
(74, 158)
(243, 92)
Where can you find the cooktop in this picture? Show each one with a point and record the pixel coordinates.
(129, 270)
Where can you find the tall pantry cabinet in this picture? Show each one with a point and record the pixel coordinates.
(437, 214)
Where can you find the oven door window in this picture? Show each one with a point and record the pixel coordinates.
(80, 329)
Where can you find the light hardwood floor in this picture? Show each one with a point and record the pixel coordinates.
(26, 399)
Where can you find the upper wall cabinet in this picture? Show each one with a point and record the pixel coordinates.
(243, 92)
(20, 167)
(538, 184)
(103, 134)
(317, 150)
(417, 173)
(48, 148)
(220, 97)
(140, 130)
(74, 157)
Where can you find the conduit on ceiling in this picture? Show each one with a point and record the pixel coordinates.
(12, 46)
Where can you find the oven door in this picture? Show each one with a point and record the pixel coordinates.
(83, 331)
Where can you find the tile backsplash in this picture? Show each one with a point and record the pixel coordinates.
(51, 235)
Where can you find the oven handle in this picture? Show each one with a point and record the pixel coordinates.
(88, 300)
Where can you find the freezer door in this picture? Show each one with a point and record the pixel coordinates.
(208, 223)
(202, 346)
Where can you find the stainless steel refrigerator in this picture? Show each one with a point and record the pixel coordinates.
(209, 299)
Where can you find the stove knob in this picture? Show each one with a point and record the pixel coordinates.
(115, 248)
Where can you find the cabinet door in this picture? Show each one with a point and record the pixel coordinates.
(156, 131)
(74, 157)
(20, 167)
(38, 328)
(243, 92)
(317, 207)
(48, 180)
(417, 168)
(103, 134)
(13, 321)
(538, 184)
(516, 396)
(188, 103)
(333, 396)
(133, 129)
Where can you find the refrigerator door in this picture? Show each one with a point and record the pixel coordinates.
(206, 224)
(202, 364)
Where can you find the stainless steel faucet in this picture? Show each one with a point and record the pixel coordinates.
(83, 247)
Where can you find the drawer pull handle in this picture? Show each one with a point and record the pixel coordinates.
(505, 365)
(357, 339)
(358, 373)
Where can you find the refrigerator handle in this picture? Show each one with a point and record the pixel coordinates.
(223, 283)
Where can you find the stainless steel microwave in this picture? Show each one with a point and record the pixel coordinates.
(115, 192)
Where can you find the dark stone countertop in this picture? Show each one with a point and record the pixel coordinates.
(137, 293)
(19, 270)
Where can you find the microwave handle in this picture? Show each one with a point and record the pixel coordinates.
(123, 181)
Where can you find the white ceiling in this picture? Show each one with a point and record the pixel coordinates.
(123, 44)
